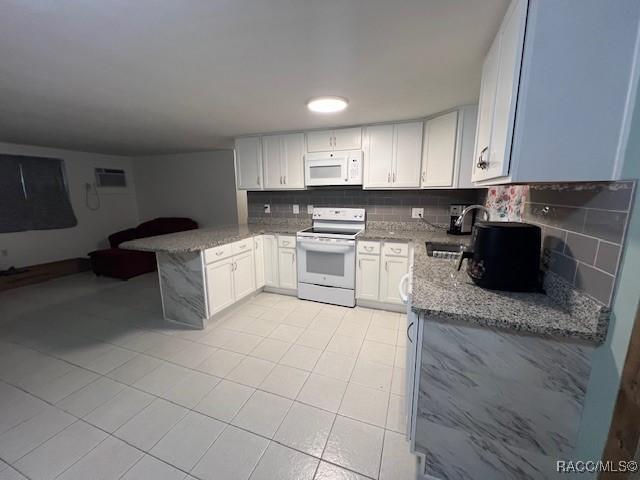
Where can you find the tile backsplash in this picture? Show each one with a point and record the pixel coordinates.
(583, 227)
(381, 205)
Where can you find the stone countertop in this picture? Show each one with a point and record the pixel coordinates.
(438, 289)
(205, 238)
(441, 291)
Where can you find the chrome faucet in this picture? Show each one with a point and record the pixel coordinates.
(482, 208)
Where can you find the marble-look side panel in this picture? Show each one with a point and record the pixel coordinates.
(559, 366)
(455, 455)
(182, 288)
(517, 397)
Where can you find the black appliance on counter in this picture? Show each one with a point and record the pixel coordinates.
(504, 256)
(455, 210)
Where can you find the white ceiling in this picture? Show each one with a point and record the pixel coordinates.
(160, 76)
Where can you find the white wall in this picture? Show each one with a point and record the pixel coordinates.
(195, 185)
(118, 211)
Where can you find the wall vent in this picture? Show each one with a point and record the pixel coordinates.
(110, 177)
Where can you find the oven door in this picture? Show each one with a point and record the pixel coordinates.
(326, 171)
(331, 263)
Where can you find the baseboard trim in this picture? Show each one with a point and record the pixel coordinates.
(44, 272)
(391, 307)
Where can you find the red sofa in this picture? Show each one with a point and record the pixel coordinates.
(122, 263)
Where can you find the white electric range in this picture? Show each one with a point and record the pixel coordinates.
(327, 256)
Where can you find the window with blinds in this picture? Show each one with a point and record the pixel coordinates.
(33, 194)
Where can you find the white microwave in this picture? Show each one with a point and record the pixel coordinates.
(333, 168)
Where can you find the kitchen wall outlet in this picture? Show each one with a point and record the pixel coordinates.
(267, 208)
(296, 209)
(310, 209)
(417, 212)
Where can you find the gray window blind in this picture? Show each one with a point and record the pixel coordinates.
(33, 194)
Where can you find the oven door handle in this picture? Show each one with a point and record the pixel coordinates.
(318, 247)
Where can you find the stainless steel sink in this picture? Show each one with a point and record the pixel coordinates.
(444, 250)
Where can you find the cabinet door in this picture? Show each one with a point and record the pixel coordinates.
(244, 275)
(347, 138)
(249, 163)
(287, 268)
(407, 155)
(293, 160)
(439, 155)
(509, 60)
(412, 371)
(467, 122)
(378, 161)
(270, 245)
(258, 256)
(393, 269)
(485, 110)
(220, 293)
(272, 162)
(368, 277)
(319, 141)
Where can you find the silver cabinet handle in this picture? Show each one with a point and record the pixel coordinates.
(285, 180)
(219, 253)
(423, 176)
(368, 248)
(258, 179)
(394, 177)
(293, 259)
(360, 263)
(395, 250)
(386, 266)
(389, 177)
(243, 245)
(285, 242)
(409, 336)
(482, 163)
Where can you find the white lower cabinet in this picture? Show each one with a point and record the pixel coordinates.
(220, 293)
(270, 248)
(244, 275)
(391, 272)
(368, 276)
(287, 268)
(258, 252)
(380, 267)
(232, 278)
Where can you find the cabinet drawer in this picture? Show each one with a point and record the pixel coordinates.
(286, 241)
(217, 253)
(369, 247)
(396, 249)
(242, 246)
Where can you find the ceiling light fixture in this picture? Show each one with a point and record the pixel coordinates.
(327, 104)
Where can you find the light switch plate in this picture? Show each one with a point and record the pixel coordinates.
(417, 212)
(267, 208)
(310, 209)
(296, 209)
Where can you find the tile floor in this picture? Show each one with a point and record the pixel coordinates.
(93, 384)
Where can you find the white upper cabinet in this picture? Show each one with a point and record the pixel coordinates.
(283, 161)
(378, 156)
(500, 77)
(338, 139)
(556, 100)
(392, 155)
(439, 152)
(293, 160)
(272, 161)
(248, 156)
(407, 156)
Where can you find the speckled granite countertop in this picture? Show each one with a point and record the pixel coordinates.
(204, 238)
(438, 289)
